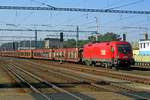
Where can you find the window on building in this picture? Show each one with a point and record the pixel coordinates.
(144, 45)
(148, 44)
(140, 45)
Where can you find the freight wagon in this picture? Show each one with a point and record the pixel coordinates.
(67, 54)
(23, 53)
(42, 54)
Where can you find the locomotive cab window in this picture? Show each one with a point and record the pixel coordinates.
(112, 49)
(124, 48)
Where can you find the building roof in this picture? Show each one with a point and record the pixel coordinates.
(51, 39)
(144, 40)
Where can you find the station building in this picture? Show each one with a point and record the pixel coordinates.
(144, 47)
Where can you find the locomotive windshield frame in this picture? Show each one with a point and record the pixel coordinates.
(124, 48)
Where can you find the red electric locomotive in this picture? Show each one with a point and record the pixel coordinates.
(109, 54)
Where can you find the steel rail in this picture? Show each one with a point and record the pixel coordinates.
(126, 90)
(48, 83)
(143, 64)
(112, 74)
(27, 83)
(100, 86)
(4, 67)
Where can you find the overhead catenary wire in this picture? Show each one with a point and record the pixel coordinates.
(128, 4)
(115, 3)
(36, 0)
(128, 17)
(142, 22)
(125, 5)
(120, 1)
(122, 19)
(75, 10)
(42, 3)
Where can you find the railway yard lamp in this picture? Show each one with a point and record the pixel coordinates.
(124, 37)
(61, 39)
(77, 36)
(35, 39)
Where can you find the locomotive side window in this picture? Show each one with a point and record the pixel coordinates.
(112, 49)
(124, 49)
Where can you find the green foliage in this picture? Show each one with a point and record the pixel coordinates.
(82, 43)
(135, 45)
(70, 43)
(109, 36)
(92, 38)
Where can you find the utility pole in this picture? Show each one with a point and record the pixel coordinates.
(61, 39)
(30, 44)
(18, 45)
(97, 28)
(146, 36)
(124, 37)
(24, 44)
(35, 39)
(77, 37)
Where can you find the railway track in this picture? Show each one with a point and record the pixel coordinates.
(104, 72)
(10, 68)
(25, 81)
(144, 64)
(122, 89)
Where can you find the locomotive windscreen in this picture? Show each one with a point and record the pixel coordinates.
(124, 48)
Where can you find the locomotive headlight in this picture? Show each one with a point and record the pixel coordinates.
(117, 56)
(125, 57)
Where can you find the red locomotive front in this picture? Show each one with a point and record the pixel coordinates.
(115, 53)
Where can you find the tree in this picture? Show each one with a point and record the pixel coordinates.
(109, 36)
(135, 45)
(82, 43)
(92, 38)
(70, 43)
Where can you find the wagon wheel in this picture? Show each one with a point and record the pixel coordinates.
(88, 63)
(109, 66)
(93, 64)
(115, 67)
(106, 65)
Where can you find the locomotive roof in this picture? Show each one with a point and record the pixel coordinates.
(104, 43)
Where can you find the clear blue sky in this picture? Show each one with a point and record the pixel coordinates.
(68, 20)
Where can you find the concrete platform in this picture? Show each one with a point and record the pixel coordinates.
(16, 96)
(107, 96)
